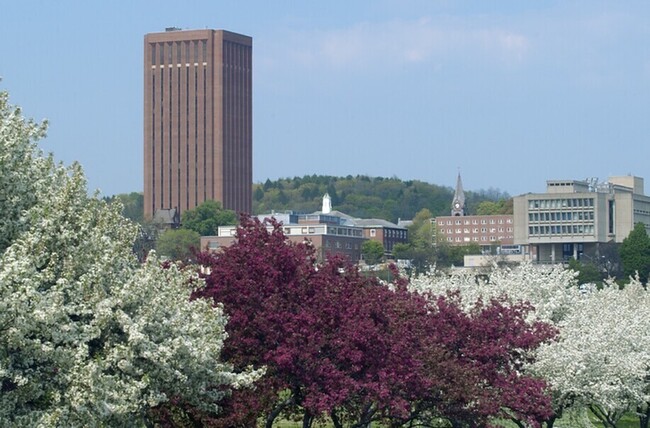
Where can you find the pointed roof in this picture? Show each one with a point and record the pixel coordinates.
(459, 195)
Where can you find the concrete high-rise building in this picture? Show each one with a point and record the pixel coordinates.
(197, 120)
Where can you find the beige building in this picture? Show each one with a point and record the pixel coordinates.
(197, 120)
(573, 218)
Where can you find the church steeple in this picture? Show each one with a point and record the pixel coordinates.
(458, 204)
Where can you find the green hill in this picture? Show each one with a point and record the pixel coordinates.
(363, 196)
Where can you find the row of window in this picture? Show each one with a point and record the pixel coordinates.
(338, 244)
(575, 229)
(179, 52)
(390, 233)
(306, 230)
(475, 221)
(476, 230)
(476, 239)
(561, 216)
(560, 203)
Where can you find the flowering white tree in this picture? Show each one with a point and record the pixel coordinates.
(551, 290)
(88, 336)
(601, 358)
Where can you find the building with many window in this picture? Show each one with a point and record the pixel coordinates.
(329, 231)
(574, 218)
(197, 120)
(494, 234)
(487, 231)
(329, 234)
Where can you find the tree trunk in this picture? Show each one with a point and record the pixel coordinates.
(307, 420)
(335, 420)
(551, 421)
(518, 422)
(278, 409)
(644, 415)
(608, 420)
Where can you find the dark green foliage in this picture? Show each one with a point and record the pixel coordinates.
(362, 196)
(502, 206)
(635, 253)
(207, 217)
(372, 251)
(454, 255)
(133, 204)
(178, 244)
(587, 272)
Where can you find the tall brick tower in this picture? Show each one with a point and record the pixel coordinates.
(198, 136)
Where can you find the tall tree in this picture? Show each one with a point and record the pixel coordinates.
(88, 335)
(178, 244)
(372, 252)
(635, 253)
(206, 218)
(338, 344)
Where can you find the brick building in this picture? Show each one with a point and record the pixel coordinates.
(197, 120)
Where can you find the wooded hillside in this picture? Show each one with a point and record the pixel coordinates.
(363, 196)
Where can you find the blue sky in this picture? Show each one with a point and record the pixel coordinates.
(511, 93)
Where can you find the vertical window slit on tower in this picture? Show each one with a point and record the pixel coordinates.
(196, 133)
(162, 130)
(204, 137)
(178, 125)
(171, 115)
(187, 132)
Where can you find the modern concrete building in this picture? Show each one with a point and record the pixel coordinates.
(197, 120)
(574, 218)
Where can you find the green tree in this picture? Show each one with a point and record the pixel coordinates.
(421, 241)
(502, 206)
(372, 251)
(88, 335)
(178, 244)
(446, 254)
(206, 218)
(587, 272)
(635, 253)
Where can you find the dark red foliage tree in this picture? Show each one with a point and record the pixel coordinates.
(344, 346)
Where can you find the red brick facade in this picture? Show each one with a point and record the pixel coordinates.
(197, 120)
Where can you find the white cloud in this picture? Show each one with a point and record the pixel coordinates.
(398, 43)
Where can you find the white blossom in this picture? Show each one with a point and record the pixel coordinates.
(88, 335)
(601, 356)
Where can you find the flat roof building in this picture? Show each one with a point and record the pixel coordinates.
(573, 218)
(197, 120)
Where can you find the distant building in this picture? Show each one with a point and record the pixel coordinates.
(328, 234)
(329, 231)
(383, 231)
(197, 120)
(574, 218)
(492, 233)
(487, 231)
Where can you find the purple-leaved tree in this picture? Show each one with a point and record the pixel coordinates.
(339, 345)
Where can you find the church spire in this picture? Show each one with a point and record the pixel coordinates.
(458, 204)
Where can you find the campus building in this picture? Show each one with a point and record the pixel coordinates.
(197, 120)
(492, 233)
(329, 231)
(574, 218)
